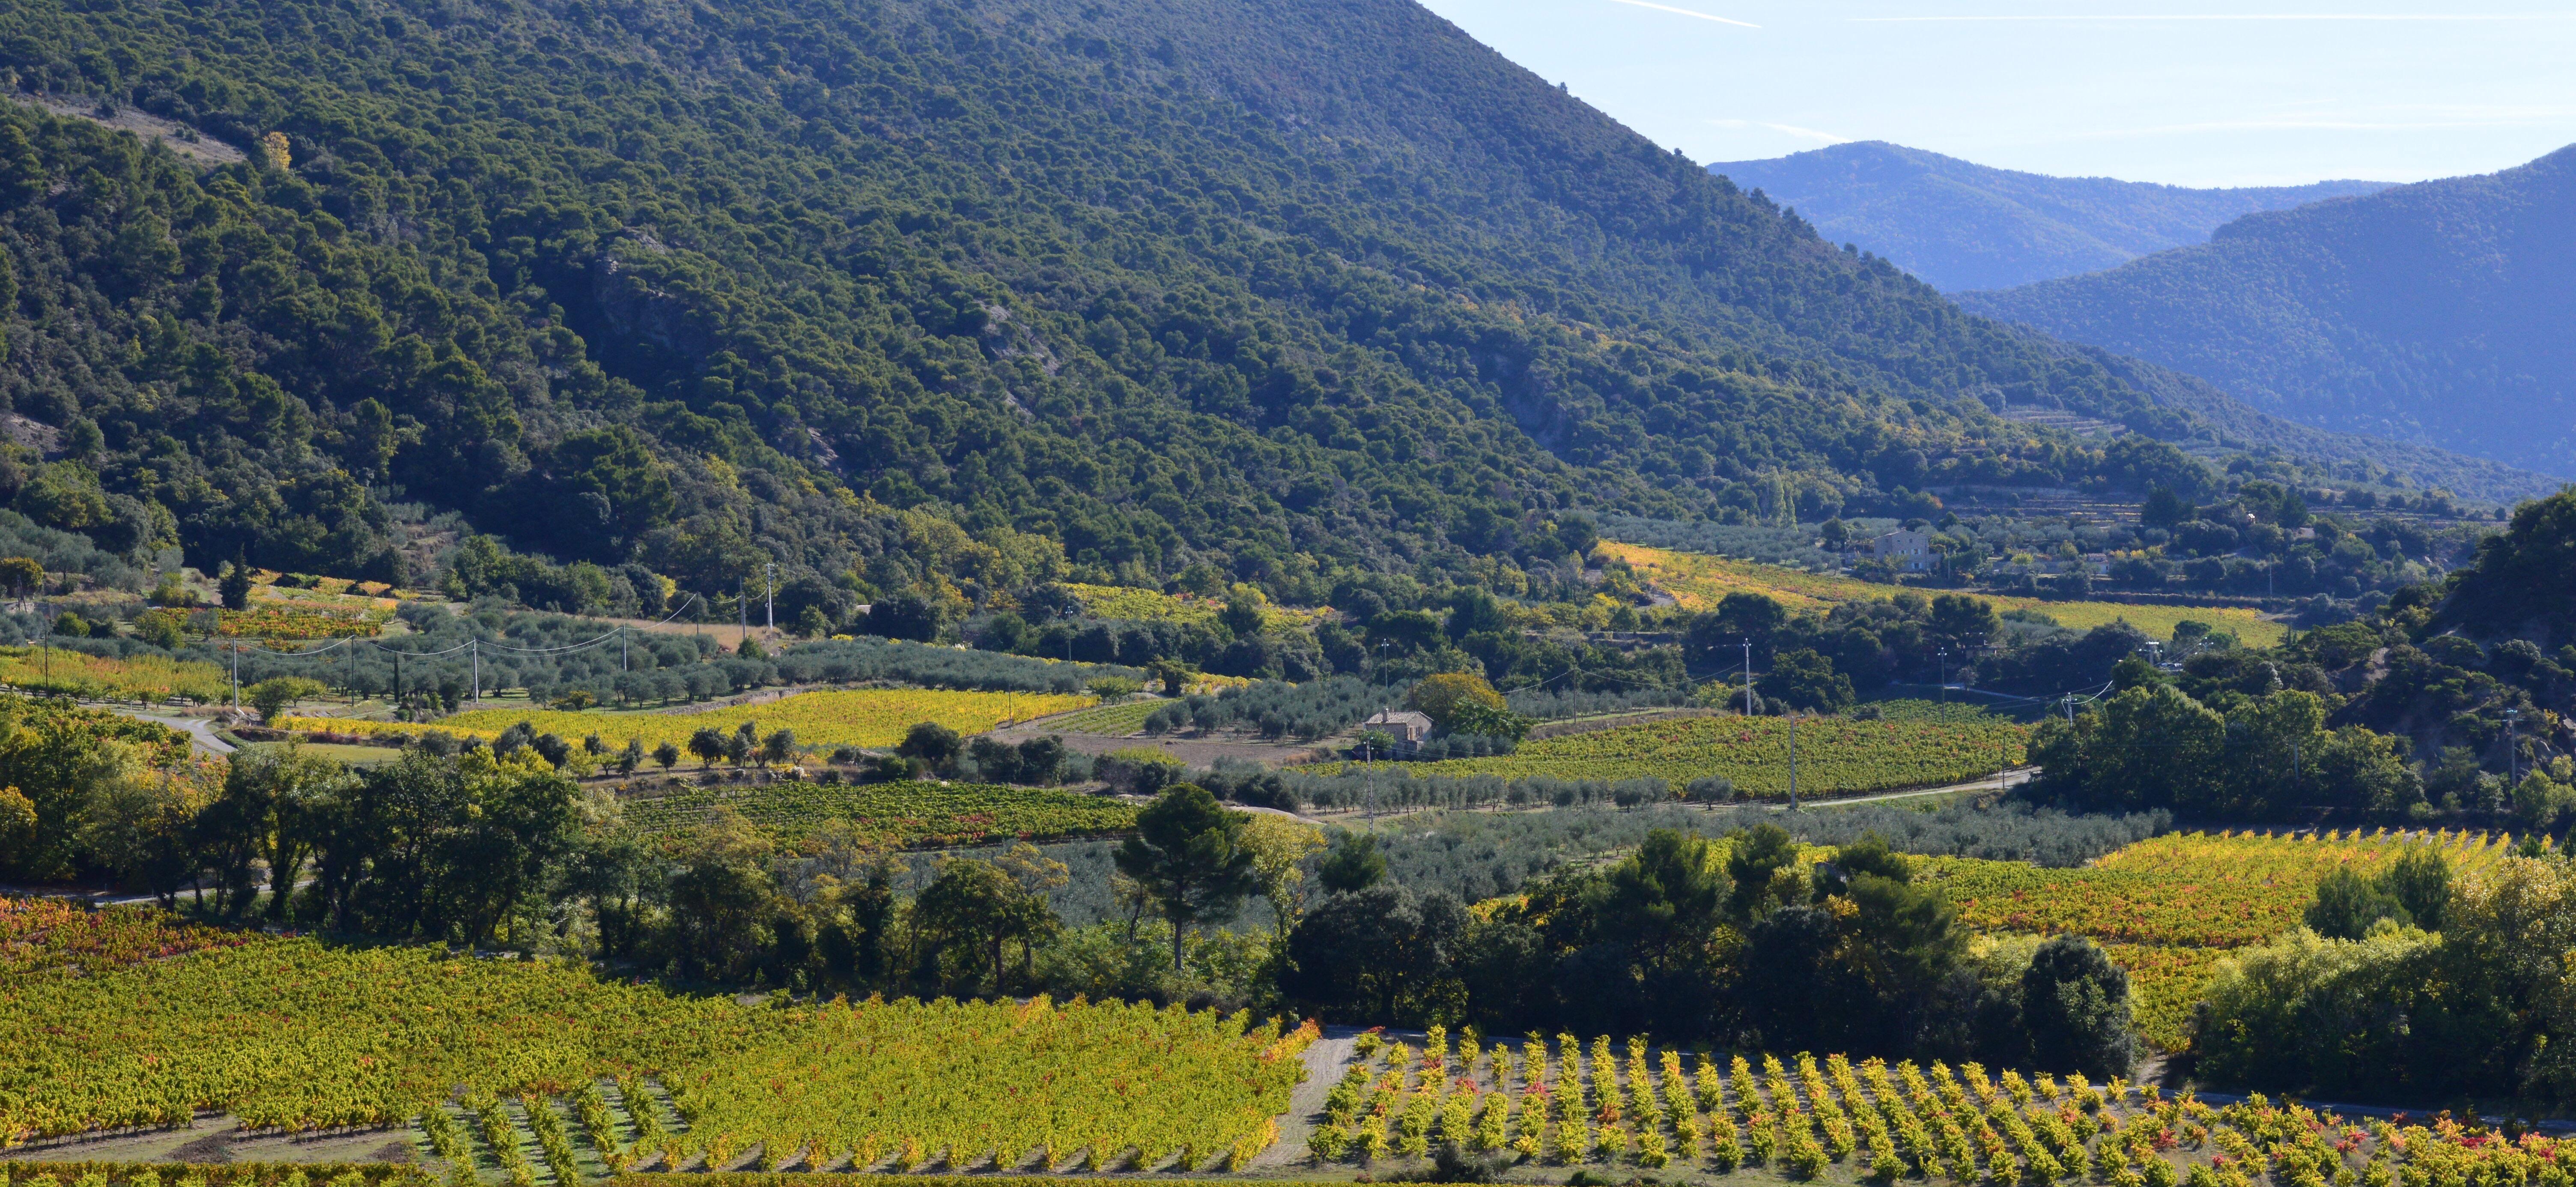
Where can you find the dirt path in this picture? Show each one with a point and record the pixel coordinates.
(2012, 778)
(1325, 1059)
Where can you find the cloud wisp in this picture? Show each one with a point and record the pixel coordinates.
(2074, 18)
(1688, 13)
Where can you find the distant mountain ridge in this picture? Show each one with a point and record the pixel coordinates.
(2437, 313)
(1962, 226)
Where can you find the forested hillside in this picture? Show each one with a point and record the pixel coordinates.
(903, 296)
(1962, 226)
(2225, 424)
(2433, 313)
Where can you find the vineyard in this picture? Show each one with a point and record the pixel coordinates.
(1836, 755)
(327, 608)
(909, 1084)
(1806, 1119)
(236, 1174)
(295, 1035)
(874, 717)
(1148, 605)
(143, 677)
(1116, 721)
(898, 814)
(1698, 581)
(45, 935)
(2170, 907)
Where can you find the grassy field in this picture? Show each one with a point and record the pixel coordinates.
(873, 717)
(1698, 581)
(1917, 744)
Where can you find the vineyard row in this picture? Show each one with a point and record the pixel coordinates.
(1800, 1117)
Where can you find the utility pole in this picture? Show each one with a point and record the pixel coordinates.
(2512, 747)
(1748, 675)
(2070, 708)
(1368, 762)
(477, 649)
(1945, 675)
(621, 650)
(771, 572)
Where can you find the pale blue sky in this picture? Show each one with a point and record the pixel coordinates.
(2177, 91)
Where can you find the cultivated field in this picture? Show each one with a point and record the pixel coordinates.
(873, 717)
(140, 1022)
(2170, 908)
(1698, 581)
(900, 814)
(1917, 744)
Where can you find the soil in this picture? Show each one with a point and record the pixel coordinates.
(218, 1138)
(203, 152)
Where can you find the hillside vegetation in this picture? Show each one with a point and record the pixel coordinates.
(1962, 226)
(903, 298)
(2430, 313)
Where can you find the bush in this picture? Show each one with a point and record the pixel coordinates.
(2308, 1013)
(273, 696)
(160, 628)
(2075, 1005)
(1443, 697)
(1551, 704)
(930, 742)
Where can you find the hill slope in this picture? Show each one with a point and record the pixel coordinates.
(902, 296)
(698, 287)
(1966, 226)
(2224, 426)
(2434, 313)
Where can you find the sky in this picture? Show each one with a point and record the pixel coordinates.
(2185, 92)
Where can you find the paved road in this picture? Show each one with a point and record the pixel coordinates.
(2012, 778)
(198, 729)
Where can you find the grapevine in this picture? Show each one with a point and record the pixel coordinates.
(834, 717)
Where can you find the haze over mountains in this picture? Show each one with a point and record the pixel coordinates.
(1961, 226)
(2442, 313)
